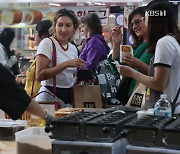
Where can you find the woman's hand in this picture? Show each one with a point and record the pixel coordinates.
(76, 63)
(116, 35)
(125, 71)
(130, 60)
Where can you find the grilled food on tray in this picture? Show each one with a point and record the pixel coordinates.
(65, 111)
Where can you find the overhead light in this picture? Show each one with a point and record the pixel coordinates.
(90, 3)
(66, 1)
(97, 3)
(80, 4)
(54, 4)
(111, 16)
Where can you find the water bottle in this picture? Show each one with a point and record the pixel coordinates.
(163, 107)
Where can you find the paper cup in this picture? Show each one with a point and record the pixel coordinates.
(123, 54)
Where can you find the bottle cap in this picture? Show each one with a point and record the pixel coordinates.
(163, 96)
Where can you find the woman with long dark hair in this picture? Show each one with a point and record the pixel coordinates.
(140, 60)
(164, 42)
(7, 55)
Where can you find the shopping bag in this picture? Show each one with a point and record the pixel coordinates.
(137, 98)
(87, 96)
(123, 90)
(108, 81)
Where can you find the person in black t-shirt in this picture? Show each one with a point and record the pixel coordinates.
(14, 100)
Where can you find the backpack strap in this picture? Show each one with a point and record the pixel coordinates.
(174, 104)
(54, 78)
(33, 78)
(54, 64)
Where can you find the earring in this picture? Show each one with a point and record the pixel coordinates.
(54, 35)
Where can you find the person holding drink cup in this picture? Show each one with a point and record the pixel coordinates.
(164, 42)
(137, 58)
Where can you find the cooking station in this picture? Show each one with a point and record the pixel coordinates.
(114, 131)
(91, 132)
(147, 131)
(153, 135)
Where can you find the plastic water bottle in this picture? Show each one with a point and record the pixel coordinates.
(163, 107)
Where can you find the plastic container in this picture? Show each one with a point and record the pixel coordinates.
(163, 107)
(145, 112)
(33, 140)
(9, 127)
